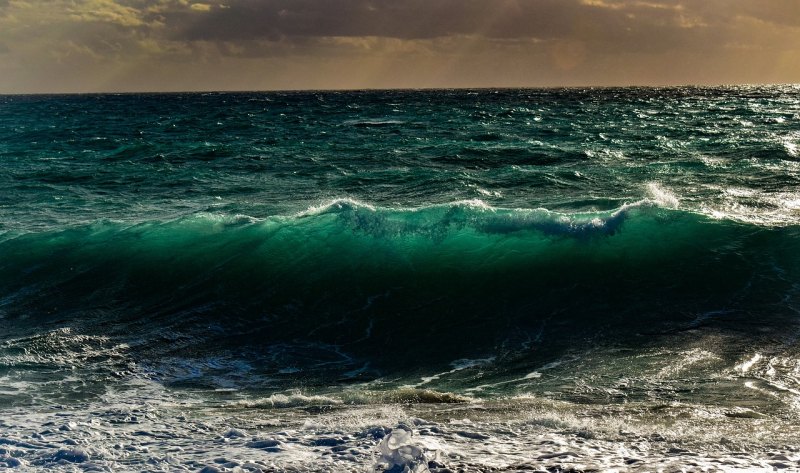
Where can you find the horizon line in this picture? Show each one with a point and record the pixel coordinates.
(405, 89)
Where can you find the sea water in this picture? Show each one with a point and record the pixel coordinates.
(444, 280)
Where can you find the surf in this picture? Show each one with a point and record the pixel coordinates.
(463, 275)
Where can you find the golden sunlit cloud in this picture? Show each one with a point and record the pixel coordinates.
(201, 7)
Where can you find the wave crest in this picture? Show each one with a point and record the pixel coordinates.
(440, 219)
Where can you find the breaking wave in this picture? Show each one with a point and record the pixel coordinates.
(369, 281)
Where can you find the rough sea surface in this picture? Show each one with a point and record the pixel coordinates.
(388, 281)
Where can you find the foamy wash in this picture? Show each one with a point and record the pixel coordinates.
(401, 281)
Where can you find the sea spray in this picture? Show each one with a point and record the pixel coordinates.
(661, 196)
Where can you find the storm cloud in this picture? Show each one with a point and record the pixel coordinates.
(86, 45)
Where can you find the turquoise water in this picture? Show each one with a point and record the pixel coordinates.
(299, 260)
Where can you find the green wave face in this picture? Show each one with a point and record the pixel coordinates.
(439, 282)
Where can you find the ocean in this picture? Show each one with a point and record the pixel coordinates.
(600, 279)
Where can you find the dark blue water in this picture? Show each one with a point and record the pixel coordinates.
(597, 247)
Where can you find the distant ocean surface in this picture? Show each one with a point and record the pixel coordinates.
(388, 281)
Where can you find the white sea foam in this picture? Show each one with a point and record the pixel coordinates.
(662, 196)
(145, 426)
(745, 366)
(334, 205)
(457, 365)
(687, 360)
(436, 219)
(530, 376)
(398, 450)
(790, 145)
(754, 206)
(291, 399)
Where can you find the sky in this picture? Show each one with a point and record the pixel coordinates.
(186, 45)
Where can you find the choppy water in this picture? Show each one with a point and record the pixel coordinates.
(421, 280)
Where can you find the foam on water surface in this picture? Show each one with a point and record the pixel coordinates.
(519, 434)
(136, 423)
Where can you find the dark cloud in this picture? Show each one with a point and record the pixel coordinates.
(627, 26)
(219, 44)
(410, 19)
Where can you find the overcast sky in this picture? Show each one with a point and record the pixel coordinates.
(171, 45)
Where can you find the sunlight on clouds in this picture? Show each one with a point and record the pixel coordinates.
(151, 47)
(377, 44)
(129, 44)
(623, 4)
(104, 10)
(686, 21)
(602, 4)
